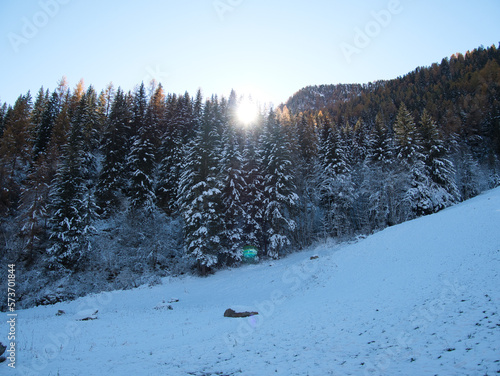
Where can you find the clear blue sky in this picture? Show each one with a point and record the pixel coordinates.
(271, 48)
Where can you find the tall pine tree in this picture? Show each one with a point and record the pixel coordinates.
(380, 179)
(440, 169)
(72, 199)
(334, 182)
(112, 178)
(280, 197)
(418, 198)
(233, 193)
(142, 159)
(200, 192)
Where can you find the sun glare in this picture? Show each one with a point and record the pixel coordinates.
(247, 111)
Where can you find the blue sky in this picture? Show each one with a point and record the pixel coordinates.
(269, 48)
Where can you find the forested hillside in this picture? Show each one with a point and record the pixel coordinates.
(120, 185)
(460, 94)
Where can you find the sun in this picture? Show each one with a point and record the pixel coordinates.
(247, 111)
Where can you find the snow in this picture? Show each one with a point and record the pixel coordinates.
(420, 298)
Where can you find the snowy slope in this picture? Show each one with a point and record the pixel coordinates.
(421, 298)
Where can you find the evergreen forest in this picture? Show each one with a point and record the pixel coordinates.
(112, 189)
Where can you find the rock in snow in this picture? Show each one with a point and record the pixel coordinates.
(231, 313)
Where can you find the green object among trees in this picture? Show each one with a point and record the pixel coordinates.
(250, 253)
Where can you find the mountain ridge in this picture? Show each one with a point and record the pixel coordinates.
(433, 87)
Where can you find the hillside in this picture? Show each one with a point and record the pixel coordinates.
(419, 298)
(316, 98)
(461, 93)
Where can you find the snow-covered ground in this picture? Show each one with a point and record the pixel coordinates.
(421, 298)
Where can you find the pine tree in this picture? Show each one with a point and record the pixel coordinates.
(335, 185)
(139, 109)
(307, 142)
(115, 148)
(60, 130)
(357, 144)
(380, 178)
(39, 106)
(360, 143)
(253, 195)
(156, 115)
(381, 144)
(197, 114)
(34, 209)
(142, 159)
(440, 169)
(72, 201)
(280, 197)
(178, 122)
(44, 130)
(53, 129)
(3, 117)
(15, 153)
(106, 98)
(409, 143)
(468, 178)
(233, 194)
(415, 182)
(91, 123)
(200, 192)
(15, 144)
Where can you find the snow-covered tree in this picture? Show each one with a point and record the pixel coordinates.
(253, 198)
(72, 198)
(142, 159)
(91, 124)
(171, 152)
(468, 173)
(233, 193)
(380, 178)
(409, 152)
(280, 197)
(440, 169)
(334, 182)
(115, 148)
(307, 216)
(356, 141)
(34, 206)
(200, 192)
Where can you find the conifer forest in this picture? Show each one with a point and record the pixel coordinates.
(103, 189)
